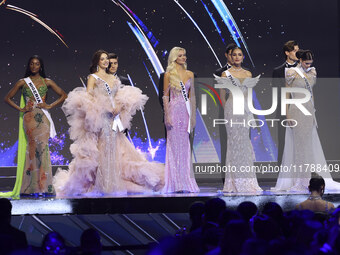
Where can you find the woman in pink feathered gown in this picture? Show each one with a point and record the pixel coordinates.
(104, 161)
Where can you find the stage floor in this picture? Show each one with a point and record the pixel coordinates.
(156, 202)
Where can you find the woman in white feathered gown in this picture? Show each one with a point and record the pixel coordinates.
(104, 161)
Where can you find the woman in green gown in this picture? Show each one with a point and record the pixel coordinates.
(34, 171)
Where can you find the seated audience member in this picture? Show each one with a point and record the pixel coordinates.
(54, 243)
(90, 242)
(11, 239)
(196, 212)
(315, 202)
(247, 210)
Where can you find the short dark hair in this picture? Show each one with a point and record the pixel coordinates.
(213, 209)
(289, 46)
(316, 183)
(113, 55)
(305, 54)
(230, 46)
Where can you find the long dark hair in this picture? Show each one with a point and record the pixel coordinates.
(305, 54)
(41, 70)
(95, 60)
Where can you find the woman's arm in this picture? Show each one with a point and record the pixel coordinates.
(192, 77)
(248, 74)
(223, 92)
(290, 75)
(166, 93)
(166, 84)
(192, 97)
(90, 83)
(56, 89)
(12, 93)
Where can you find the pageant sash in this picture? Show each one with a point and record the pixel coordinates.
(309, 87)
(233, 82)
(187, 102)
(39, 100)
(231, 78)
(117, 123)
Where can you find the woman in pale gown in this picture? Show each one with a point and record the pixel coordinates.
(303, 151)
(104, 161)
(179, 119)
(240, 154)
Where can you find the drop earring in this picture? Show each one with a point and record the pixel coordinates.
(97, 68)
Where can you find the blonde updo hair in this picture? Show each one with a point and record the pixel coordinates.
(171, 68)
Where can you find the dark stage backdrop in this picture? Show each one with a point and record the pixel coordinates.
(86, 26)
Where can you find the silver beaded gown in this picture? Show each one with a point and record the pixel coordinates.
(240, 155)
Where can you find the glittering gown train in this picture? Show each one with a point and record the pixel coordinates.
(303, 151)
(179, 174)
(240, 154)
(104, 161)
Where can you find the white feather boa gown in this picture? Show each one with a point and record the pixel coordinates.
(104, 161)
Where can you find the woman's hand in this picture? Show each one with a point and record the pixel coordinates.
(44, 106)
(167, 121)
(115, 112)
(27, 108)
(290, 123)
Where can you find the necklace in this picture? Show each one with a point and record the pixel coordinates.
(314, 198)
(236, 69)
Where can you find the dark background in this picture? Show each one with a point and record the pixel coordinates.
(99, 24)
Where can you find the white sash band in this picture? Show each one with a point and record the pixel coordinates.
(187, 102)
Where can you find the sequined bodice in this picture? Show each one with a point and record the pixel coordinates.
(101, 86)
(28, 95)
(176, 95)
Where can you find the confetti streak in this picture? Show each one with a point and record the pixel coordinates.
(153, 40)
(199, 29)
(151, 150)
(231, 25)
(34, 17)
(213, 21)
(153, 83)
(143, 40)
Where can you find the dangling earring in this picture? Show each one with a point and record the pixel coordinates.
(97, 68)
